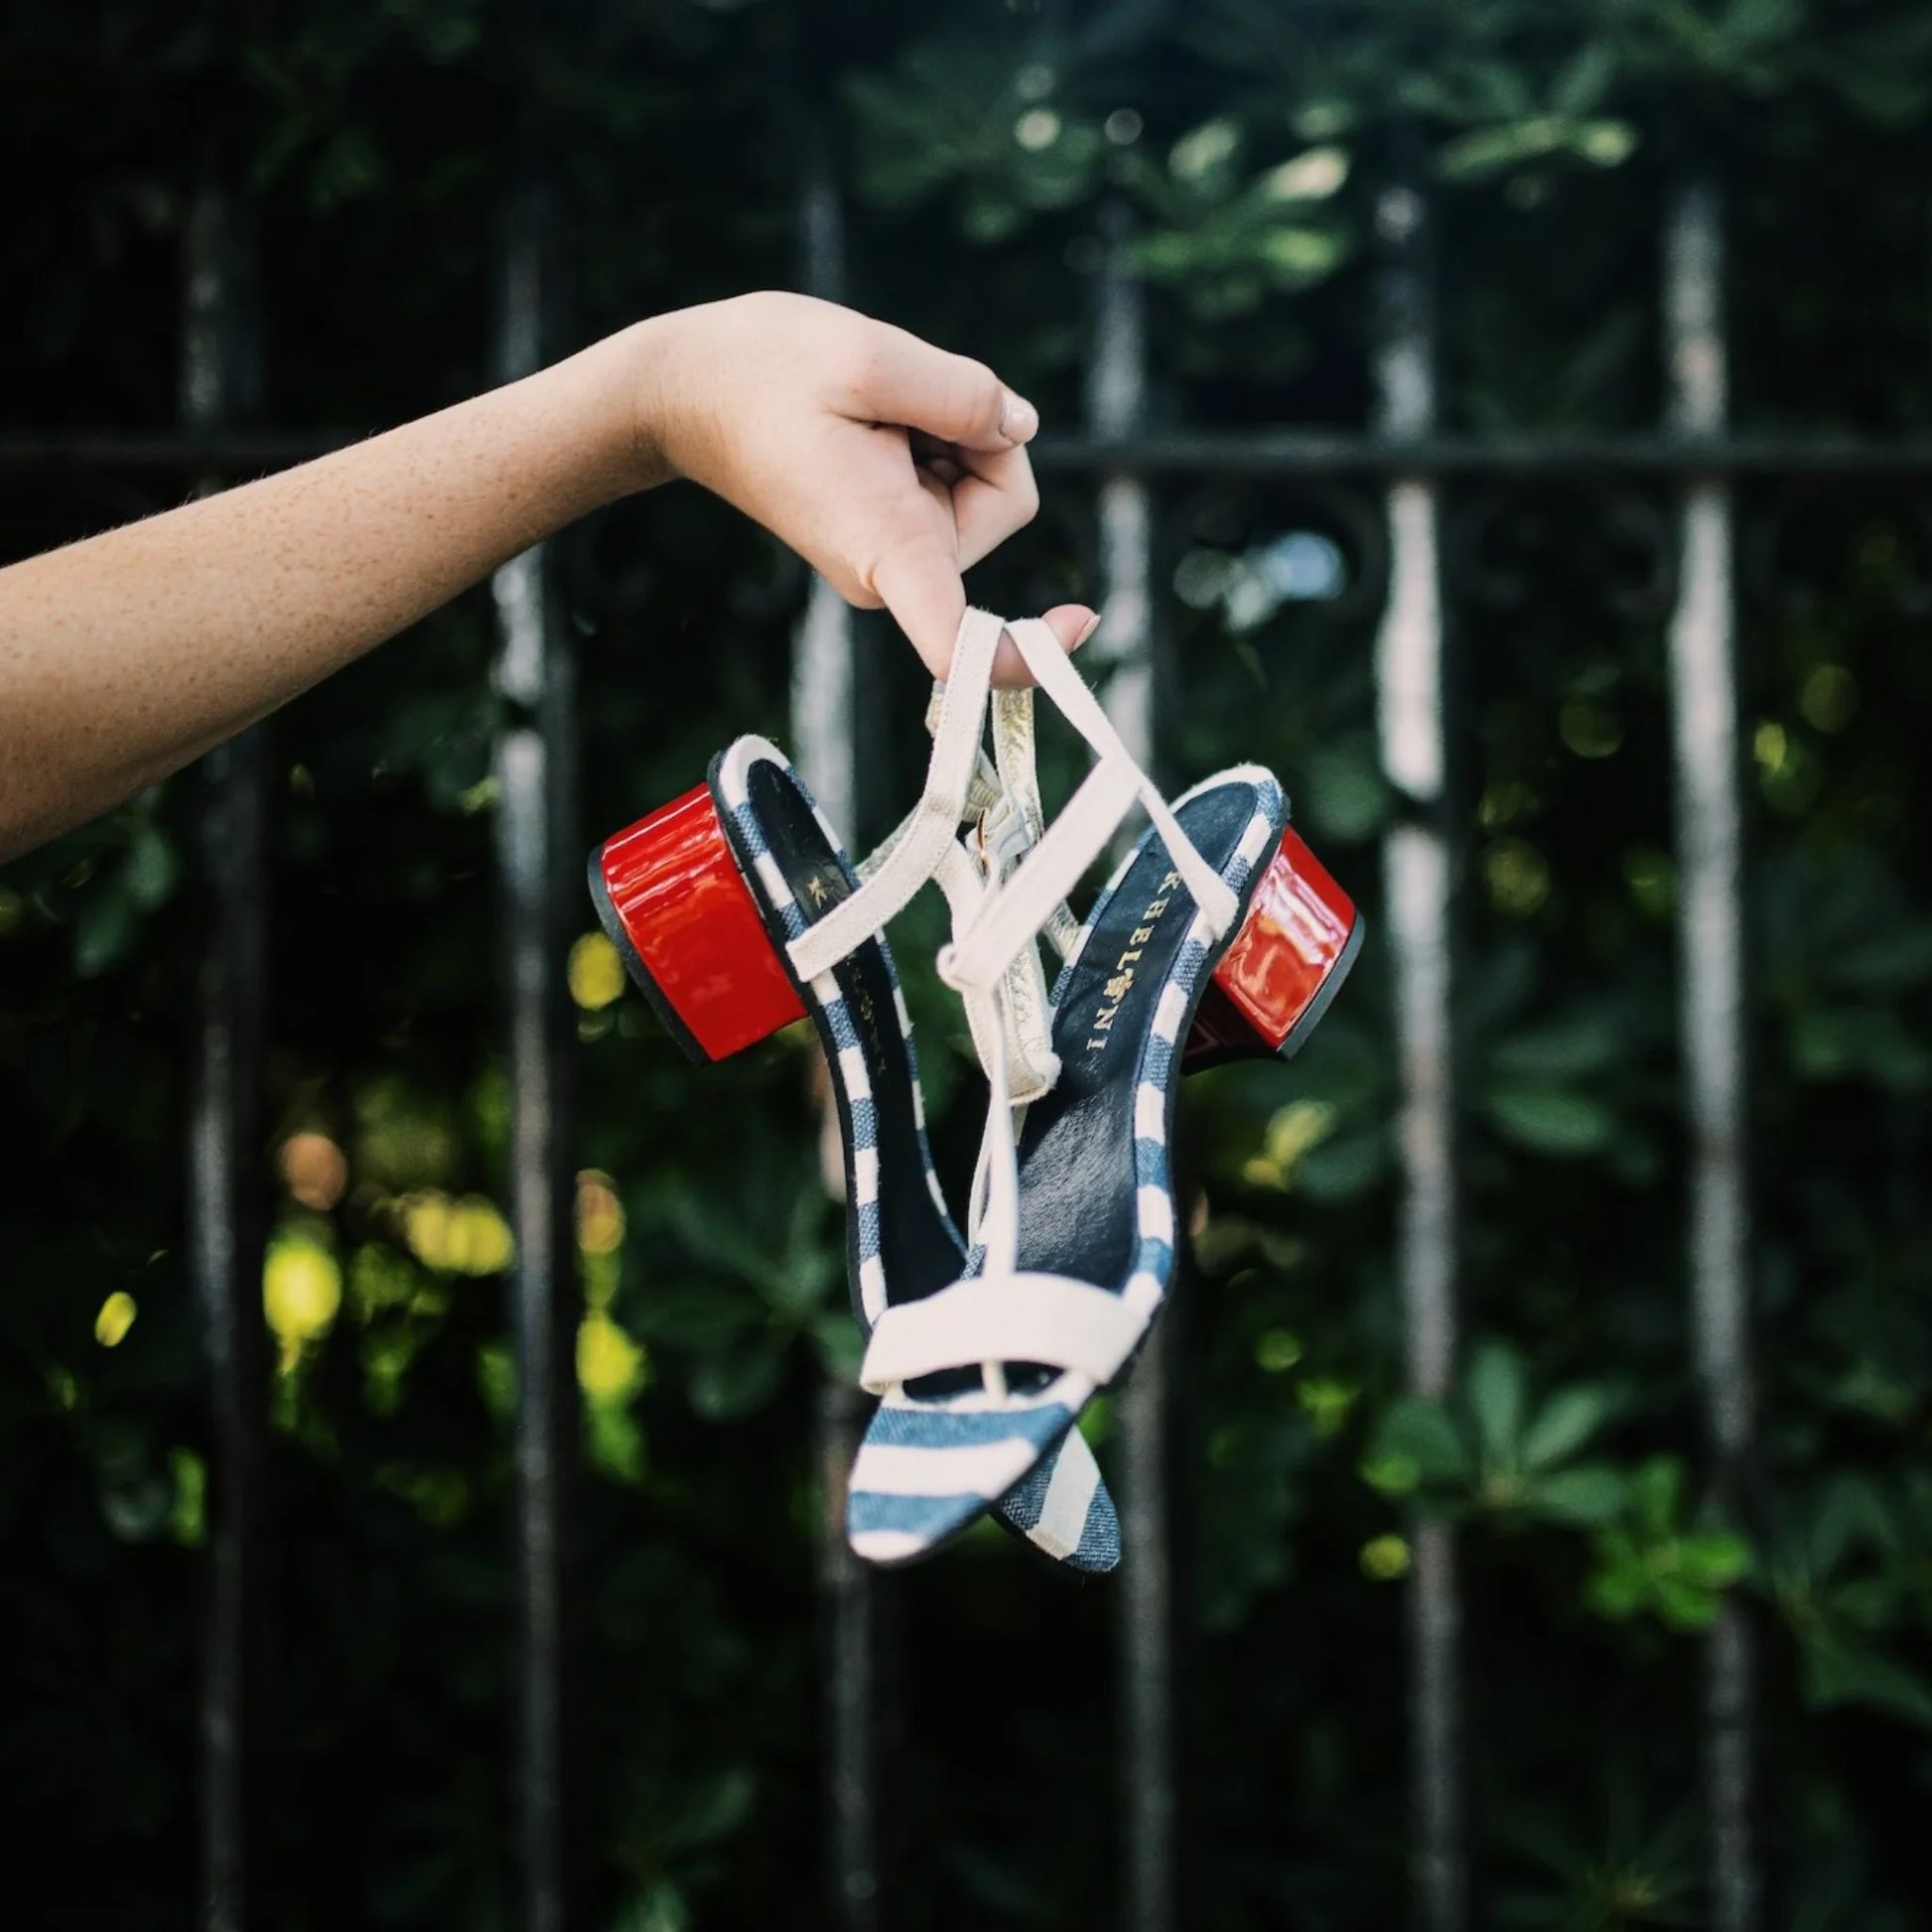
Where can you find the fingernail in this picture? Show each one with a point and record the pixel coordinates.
(1019, 419)
(1087, 629)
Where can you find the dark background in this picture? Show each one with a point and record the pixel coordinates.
(974, 149)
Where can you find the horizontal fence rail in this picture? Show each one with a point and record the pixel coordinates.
(1265, 452)
(1406, 458)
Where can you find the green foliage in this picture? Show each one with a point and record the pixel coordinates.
(1650, 1563)
(1845, 1571)
(1230, 152)
(748, 1302)
(1635, 1868)
(1495, 1455)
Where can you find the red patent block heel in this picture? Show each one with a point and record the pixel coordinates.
(1275, 982)
(677, 909)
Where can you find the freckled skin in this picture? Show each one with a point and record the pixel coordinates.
(888, 464)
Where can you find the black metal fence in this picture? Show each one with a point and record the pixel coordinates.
(1403, 462)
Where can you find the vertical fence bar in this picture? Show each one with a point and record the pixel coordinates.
(1711, 940)
(850, 1610)
(823, 723)
(821, 668)
(534, 761)
(1420, 872)
(225, 1224)
(1124, 648)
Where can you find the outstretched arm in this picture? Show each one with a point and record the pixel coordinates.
(887, 463)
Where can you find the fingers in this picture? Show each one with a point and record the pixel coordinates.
(904, 380)
(991, 497)
(1071, 624)
(918, 583)
(917, 580)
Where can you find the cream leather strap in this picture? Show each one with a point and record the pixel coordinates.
(915, 849)
(1006, 885)
(1050, 1318)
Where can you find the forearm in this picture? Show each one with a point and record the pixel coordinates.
(123, 658)
(889, 465)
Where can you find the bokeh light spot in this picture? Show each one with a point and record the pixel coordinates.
(1504, 801)
(188, 1514)
(1037, 129)
(1278, 1351)
(116, 1319)
(1384, 1559)
(1292, 1133)
(314, 1170)
(1326, 1404)
(1310, 177)
(610, 1365)
(302, 1290)
(599, 1214)
(1518, 878)
(595, 972)
(467, 1236)
(1197, 155)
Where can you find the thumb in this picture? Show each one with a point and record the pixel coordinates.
(952, 397)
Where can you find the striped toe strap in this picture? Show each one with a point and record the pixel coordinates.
(1064, 1323)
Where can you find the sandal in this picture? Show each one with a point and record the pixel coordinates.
(712, 959)
(980, 1382)
(672, 893)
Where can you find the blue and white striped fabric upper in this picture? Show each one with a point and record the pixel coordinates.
(1081, 1527)
(929, 1465)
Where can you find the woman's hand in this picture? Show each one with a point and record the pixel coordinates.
(886, 463)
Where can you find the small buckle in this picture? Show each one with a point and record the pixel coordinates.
(1001, 836)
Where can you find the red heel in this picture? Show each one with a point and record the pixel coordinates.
(677, 910)
(1275, 982)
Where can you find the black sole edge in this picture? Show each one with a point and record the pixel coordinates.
(641, 976)
(1298, 1037)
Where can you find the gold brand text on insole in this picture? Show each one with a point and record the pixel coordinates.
(1121, 983)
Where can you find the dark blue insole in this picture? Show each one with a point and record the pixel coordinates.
(1077, 1208)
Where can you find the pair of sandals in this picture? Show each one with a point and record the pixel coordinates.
(1218, 937)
